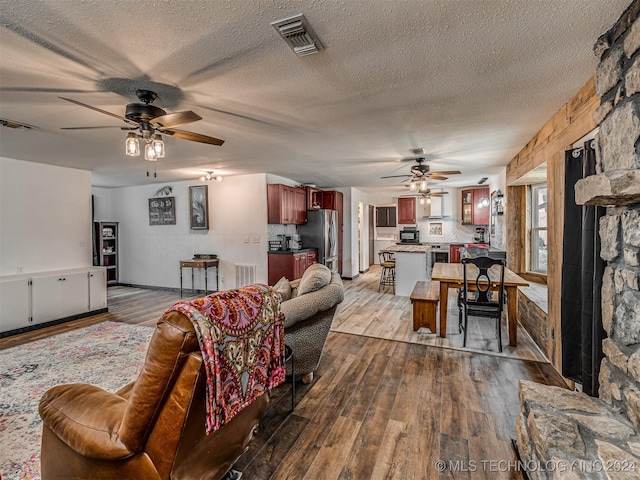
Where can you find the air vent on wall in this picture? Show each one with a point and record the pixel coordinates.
(17, 125)
(298, 34)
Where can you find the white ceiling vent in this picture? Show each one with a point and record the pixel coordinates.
(298, 35)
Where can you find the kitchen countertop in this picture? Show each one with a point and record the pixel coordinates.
(289, 252)
(408, 248)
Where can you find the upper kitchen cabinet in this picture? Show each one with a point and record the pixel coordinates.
(286, 204)
(385, 216)
(475, 206)
(406, 210)
(314, 198)
(299, 206)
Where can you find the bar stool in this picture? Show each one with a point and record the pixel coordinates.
(388, 273)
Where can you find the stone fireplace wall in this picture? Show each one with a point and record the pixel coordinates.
(617, 186)
(564, 434)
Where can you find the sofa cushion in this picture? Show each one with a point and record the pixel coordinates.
(294, 287)
(314, 278)
(283, 287)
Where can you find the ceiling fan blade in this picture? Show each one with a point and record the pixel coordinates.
(92, 128)
(194, 137)
(446, 172)
(114, 115)
(438, 194)
(397, 176)
(437, 177)
(174, 119)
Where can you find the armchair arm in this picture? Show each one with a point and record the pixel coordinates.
(305, 306)
(86, 418)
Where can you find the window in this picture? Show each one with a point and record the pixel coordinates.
(538, 233)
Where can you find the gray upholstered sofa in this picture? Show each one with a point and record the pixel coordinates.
(308, 306)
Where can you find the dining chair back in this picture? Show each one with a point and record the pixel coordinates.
(475, 295)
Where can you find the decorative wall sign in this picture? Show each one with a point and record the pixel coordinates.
(162, 211)
(198, 207)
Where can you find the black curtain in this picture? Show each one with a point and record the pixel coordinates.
(582, 270)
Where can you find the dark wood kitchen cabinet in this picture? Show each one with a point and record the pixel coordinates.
(314, 198)
(385, 216)
(312, 257)
(299, 206)
(286, 204)
(289, 265)
(406, 210)
(454, 252)
(475, 206)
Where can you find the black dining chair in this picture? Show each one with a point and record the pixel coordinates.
(469, 252)
(475, 292)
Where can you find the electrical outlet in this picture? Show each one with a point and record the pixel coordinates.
(20, 269)
(82, 243)
(256, 239)
(222, 279)
(245, 239)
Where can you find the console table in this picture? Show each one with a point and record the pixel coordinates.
(199, 263)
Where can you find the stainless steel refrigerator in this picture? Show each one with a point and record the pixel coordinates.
(321, 232)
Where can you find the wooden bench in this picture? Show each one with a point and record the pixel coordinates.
(424, 299)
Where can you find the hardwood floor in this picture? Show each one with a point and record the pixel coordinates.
(384, 409)
(378, 408)
(384, 315)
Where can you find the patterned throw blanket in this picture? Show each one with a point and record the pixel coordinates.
(241, 335)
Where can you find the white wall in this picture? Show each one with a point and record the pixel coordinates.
(362, 263)
(45, 217)
(150, 255)
(101, 204)
(380, 198)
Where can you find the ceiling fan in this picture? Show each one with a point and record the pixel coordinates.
(150, 122)
(428, 193)
(424, 196)
(420, 172)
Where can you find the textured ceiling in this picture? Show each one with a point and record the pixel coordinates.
(470, 81)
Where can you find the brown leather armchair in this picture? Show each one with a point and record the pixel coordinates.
(153, 428)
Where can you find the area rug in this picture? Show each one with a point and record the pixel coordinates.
(107, 354)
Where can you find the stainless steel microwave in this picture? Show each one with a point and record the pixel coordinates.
(409, 236)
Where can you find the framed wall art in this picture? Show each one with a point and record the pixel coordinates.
(162, 211)
(435, 229)
(199, 207)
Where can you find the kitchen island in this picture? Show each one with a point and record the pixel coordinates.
(413, 264)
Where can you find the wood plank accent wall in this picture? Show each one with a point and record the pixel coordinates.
(572, 122)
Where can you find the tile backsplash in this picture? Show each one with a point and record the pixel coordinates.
(275, 229)
(452, 231)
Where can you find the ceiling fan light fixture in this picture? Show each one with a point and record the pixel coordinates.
(423, 184)
(150, 153)
(422, 201)
(413, 186)
(132, 145)
(158, 145)
(210, 176)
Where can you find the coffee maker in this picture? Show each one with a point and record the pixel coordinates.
(284, 241)
(296, 243)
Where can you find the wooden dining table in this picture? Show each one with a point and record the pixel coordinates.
(450, 275)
